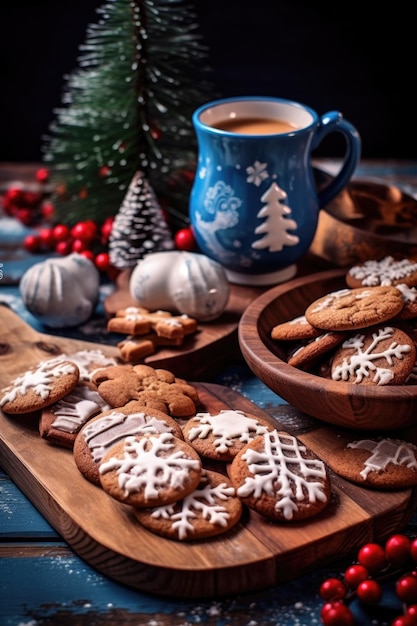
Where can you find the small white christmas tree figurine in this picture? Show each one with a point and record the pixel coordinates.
(276, 224)
(139, 227)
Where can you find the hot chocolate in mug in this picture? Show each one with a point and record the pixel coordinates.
(254, 205)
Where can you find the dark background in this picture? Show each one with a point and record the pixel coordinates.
(328, 55)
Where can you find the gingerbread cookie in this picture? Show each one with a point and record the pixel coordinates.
(280, 478)
(409, 295)
(387, 271)
(156, 388)
(150, 470)
(60, 422)
(381, 463)
(102, 432)
(221, 435)
(211, 509)
(381, 355)
(309, 353)
(39, 387)
(136, 348)
(348, 309)
(294, 330)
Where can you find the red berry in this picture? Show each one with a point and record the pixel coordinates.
(32, 243)
(332, 589)
(61, 232)
(413, 550)
(397, 549)
(46, 237)
(355, 574)
(63, 247)
(104, 171)
(86, 231)
(25, 216)
(184, 239)
(369, 591)
(47, 210)
(372, 556)
(88, 255)
(102, 261)
(14, 194)
(406, 588)
(412, 610)
(106, 230)
(336, 614)
(79, 246)
(42, 175)
(404, 620)
(31, 198)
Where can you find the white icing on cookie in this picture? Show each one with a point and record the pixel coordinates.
(76, 408)
(278, 469)
(225, 427)
(39, 380)
(361, 364)
(384, 452)
(85, 359)
(147, 465)
(383, 272)
(104, 432)
(203, 501)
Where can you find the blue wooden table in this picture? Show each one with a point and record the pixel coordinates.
(43, 582)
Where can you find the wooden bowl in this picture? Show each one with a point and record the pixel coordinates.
(344, 404)
(366, 220)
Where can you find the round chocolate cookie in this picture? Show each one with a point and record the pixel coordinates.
(96, 438)
(150, 470)
(386, 271)
(39, 387)
(211, 509)
(348, 309)
(280, 478)
(380, 463)
(382, 355)
(221, 435)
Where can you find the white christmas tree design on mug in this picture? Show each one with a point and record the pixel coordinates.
(222, 203)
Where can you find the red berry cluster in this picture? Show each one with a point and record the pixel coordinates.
(29, 206)
(375, 564)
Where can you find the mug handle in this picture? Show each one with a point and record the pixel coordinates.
(333, 121)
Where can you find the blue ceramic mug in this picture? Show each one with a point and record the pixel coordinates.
(254, 205)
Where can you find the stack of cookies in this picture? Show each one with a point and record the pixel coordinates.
(364, 334)
(139, 434)
(136, 433)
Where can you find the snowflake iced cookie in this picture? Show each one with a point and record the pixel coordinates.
(380, 463)
(39, 387)
(60, 422)
(221, 435)
(102, 432)
(380, 356)
(280, 478)
(348, 309)
(155, 388)
(386, 271)
(211, 509)
(150, 470)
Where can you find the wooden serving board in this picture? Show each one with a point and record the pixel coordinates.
(255, 554)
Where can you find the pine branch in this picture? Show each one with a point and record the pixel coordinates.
(127, 107)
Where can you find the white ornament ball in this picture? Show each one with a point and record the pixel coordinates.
(183, 282)
(61, 291)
